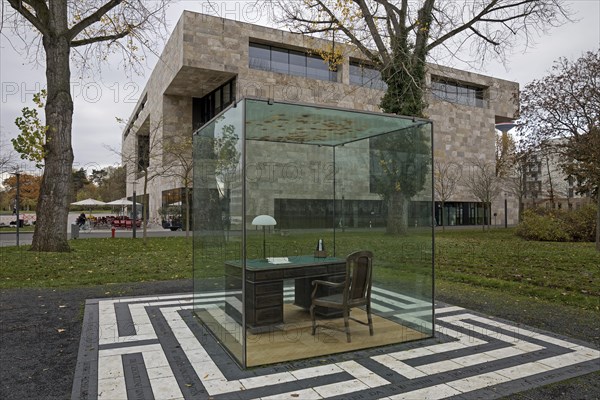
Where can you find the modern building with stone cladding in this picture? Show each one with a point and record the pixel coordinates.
(208, 62)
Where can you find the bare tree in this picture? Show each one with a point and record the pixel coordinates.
(54, 32)
(447, 175)
(147, 163)
(7, 156)
(516, 179)
(178, 152)
(483, 184)
(398, 37)
(563, 109)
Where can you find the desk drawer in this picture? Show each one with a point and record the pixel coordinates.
(306, 271)
(265, 316)
(259, 289)
(269, 275)
(270, 300)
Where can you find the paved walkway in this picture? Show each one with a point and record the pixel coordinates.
(154, 348)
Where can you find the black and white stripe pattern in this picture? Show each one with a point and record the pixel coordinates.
(154, 348)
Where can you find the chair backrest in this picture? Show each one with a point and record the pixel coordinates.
(359, 268)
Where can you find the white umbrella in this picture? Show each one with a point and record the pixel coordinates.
(122, 202)
(88, 202)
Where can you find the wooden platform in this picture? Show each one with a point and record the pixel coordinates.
(293, 340)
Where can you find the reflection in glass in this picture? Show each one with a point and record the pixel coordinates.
(335, 181)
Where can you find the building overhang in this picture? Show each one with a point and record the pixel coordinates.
(197, 82)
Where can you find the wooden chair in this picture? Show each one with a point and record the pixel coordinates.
(356, 291)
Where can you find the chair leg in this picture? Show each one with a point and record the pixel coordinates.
(347, 324)
(312, 317)
(370, 320)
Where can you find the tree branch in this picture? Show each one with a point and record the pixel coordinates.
(116, 36)
(484, 37)
(368, 17)
(33, 19)
(92, 18)
(486, 10)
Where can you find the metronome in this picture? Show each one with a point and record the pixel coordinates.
(320, 250)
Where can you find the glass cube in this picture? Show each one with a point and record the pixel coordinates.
(282, 194)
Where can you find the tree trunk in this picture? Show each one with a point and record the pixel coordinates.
(55, 191)
(442, 217)
(397, 221)
(598, 220)
(550, 183)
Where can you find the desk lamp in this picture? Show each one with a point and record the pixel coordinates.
(264, 220)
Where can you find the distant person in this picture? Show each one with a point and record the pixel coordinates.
(81, 220)
(14, 210)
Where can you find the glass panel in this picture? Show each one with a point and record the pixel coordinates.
(303, 124)
(401, 233)
(297, 63)
(218, 228)
(227, 93)
(218, 101)
(319, 184)
(260, 57)
(356, 77)
(366, 76)
(279, 60)
(317, 68)
(458, 93)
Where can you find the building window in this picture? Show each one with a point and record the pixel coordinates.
(143, 153)
(456, 92)
(367, 76)
(205, 108)
(289, 62)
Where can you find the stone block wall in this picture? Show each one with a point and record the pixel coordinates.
(204, 52)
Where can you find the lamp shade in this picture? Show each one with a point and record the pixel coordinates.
(264, 220)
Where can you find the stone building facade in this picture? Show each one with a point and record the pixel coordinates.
(208, 62)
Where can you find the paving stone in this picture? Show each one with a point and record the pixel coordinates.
(471, 357)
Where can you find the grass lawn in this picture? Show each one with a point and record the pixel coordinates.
(564, 273)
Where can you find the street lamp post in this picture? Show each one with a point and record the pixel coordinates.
(134, 212)
(17, 174)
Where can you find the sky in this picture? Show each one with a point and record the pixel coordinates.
(100, 99)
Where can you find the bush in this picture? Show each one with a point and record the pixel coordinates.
(581, 223)
(558, 225)
(537, 226)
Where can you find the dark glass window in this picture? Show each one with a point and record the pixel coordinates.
(316, 68)
(260, 57)
(364, 75)
(205, 108)
(279, 60)
(291, 62)
(297, 63)
(456, 92)
(143, 147)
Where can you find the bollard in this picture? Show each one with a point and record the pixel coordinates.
(112, 232)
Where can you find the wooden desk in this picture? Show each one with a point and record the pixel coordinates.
(264, 286)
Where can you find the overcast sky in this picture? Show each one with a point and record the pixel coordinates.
(99, 101)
